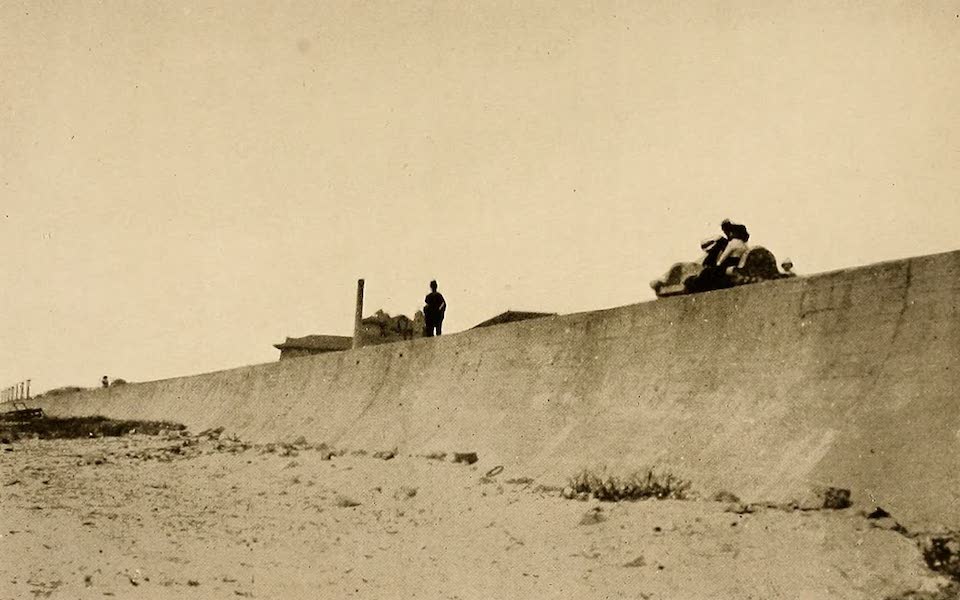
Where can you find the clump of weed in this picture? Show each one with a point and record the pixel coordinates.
(638, 485)
(942, 554)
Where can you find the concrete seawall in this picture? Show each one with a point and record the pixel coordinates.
(847, 379)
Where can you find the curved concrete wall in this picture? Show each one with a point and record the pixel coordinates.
(847, 379)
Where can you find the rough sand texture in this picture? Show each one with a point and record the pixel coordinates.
(149, 517)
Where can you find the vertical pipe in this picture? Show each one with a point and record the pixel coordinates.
(28, 389)
(358, 317)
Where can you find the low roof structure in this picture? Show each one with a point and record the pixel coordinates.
(317, 343)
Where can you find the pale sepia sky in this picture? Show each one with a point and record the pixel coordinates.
(183, 184)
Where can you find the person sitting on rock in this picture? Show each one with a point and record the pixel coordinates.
(713, 247)
(737, 237)
(722, 253)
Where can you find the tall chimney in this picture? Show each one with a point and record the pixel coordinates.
(358, 318)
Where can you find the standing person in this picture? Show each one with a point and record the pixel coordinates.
(105, 381)
(433, 311)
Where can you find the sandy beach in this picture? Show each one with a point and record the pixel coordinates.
(178, 516)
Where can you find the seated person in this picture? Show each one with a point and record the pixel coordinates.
(736, 247)
(722, 253)
(713, 247)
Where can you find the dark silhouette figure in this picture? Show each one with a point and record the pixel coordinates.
(105, 381)
(433, 311)
(737, 238)
(722, 253)
(713, 247)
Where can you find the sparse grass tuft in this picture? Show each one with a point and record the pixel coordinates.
(638, 485)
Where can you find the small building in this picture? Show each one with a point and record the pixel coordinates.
(313, 344)
(511, 316)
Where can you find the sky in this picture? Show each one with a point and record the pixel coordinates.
(184, 184)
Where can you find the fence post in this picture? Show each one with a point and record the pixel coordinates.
(358, 317)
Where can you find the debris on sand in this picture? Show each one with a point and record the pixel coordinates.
(405, 492)
(385, 454)
(725, 496)
(345, 502)
(520, 481)
(825, 497)
(465, 457)
(212, 434)
(593, 516)
(881, 519)
(49, 428)
(494, 471)
(637, 562)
